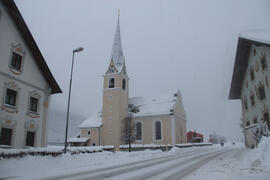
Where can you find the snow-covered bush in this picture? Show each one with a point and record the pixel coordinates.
(261, 130)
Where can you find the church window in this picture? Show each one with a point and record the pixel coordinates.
(158, 130)
(263, 62)
(252, 75)
(138, 131)
(30, 138)
(124, 84)
(261, 91)
(111, 83)
(88, 132)
(5, 138)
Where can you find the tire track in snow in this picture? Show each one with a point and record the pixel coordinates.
(174, 166)
(116, 170)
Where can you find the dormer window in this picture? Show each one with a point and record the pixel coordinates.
(111, 83)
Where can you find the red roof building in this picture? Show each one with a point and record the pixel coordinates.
(194, 137)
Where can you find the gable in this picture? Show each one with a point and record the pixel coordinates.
(30, 43)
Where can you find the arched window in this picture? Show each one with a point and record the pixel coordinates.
(266, 119)
(124, 84)
(158, 130)
(138, 131)
(111, 83)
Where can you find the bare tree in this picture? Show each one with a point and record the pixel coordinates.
(128, 134)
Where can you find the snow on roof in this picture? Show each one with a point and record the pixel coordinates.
(117, 51)
(75, 139)
(93, 121)
(159, 105)
(262, 36)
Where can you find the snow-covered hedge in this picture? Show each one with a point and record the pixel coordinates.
(193, 144)
(139, 147)
(47, 151)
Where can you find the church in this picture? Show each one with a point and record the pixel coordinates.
(156, 120)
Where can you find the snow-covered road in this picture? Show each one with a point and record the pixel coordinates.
(174, 166)
(192, 163)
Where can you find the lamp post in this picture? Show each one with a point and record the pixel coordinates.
(70, 83)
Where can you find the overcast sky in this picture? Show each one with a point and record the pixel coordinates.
(168, 44)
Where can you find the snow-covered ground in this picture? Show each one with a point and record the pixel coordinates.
(244, 164)
(230, 162)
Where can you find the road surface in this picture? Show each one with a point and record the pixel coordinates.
(176, 166)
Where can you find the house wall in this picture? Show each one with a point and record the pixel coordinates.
(249, 86)
(30, 80)
(93, 137)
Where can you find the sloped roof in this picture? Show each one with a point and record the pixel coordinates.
(117, 51)
(246, 39)
(31, 44)
(159, 105)
(75, 139)
(93, 121)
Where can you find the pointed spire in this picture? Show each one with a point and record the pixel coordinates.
(117, 51)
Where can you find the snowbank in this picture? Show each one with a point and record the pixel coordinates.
(260, 156)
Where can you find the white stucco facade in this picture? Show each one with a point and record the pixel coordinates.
(254, 114)
(250, 83)
(28, 82)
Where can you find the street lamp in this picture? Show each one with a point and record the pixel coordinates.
(73, 52)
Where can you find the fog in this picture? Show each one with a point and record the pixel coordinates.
(174, 44)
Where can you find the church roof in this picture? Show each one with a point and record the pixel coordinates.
(159, 105)
(117, 51)
(93, 121)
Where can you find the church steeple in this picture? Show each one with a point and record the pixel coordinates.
(117, 51)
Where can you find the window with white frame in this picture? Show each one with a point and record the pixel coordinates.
(11, 95)
(10, 98)
(5, 136)
(33, 104)
(16, 58)
(30, 138)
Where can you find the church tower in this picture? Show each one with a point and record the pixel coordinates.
(115, 94)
